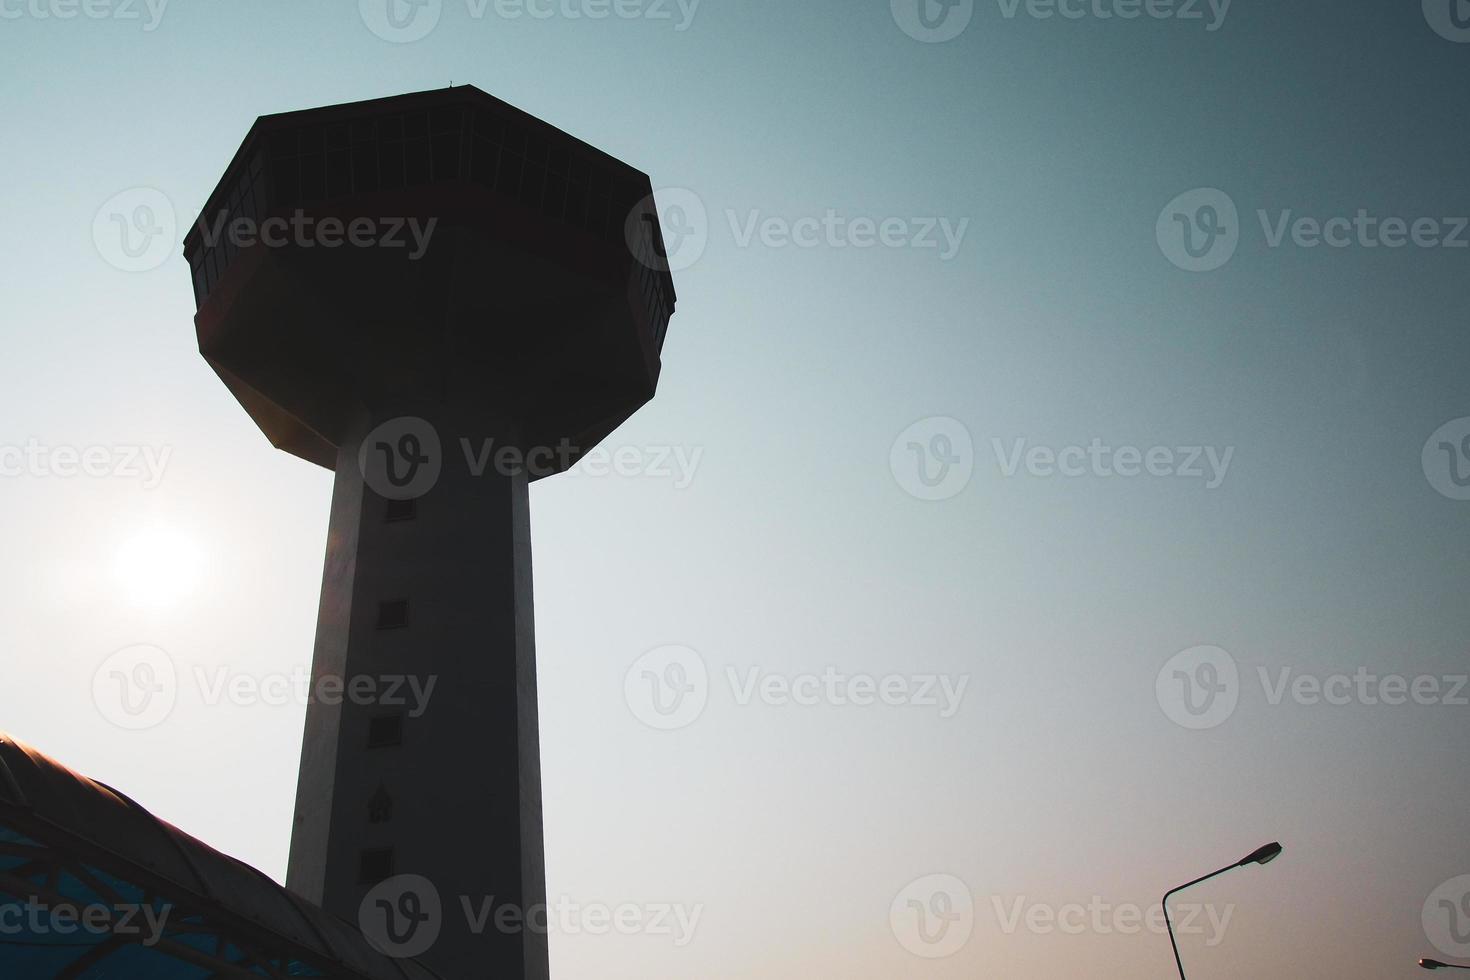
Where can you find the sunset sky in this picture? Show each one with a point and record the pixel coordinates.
(947, 425)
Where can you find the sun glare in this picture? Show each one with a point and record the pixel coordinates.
(158, 566)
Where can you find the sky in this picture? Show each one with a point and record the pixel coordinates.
(1058, 483)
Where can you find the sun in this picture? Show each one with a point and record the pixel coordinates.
(158, 565)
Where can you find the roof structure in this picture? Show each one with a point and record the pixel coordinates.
(92, 885)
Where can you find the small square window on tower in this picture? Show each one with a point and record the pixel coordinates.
(400, 510)
(392, 614)
(375, 865)
(385, 731)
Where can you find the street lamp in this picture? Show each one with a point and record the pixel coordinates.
(1437, 965)
(1263, 855)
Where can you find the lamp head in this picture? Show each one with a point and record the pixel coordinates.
(1264, 855)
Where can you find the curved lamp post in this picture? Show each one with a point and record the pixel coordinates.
(1437, 965)
(1264, 855)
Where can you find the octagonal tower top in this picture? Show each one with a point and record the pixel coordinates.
(362, 255)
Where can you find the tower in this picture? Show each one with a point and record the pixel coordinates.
(441, 299)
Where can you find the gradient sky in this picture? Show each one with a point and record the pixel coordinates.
(796, 547)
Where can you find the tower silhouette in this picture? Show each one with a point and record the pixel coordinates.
(441, 299)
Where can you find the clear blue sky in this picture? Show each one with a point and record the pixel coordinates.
(796, 546)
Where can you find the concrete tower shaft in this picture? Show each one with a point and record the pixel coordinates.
(429, 594)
